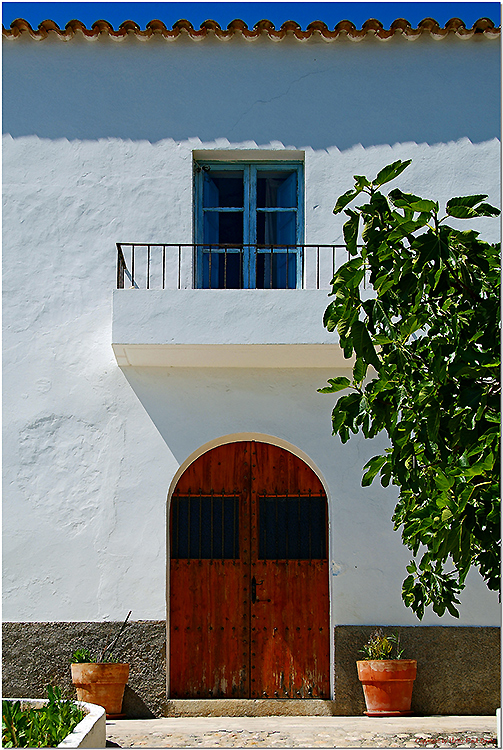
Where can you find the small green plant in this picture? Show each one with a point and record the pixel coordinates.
(380, 646)
(84, 656)
(39, 727)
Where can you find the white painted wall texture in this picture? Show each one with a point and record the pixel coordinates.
(98, 148)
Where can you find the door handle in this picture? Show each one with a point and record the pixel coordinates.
(254, 584)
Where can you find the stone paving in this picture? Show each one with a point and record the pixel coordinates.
(304, 732)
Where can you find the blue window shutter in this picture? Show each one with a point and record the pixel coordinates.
(287, 192)
(210, 191)
(281, 225)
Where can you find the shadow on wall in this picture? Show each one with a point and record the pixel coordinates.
(134, 707)
(317, 94)
(229, 402)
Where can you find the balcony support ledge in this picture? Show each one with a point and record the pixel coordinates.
(231, 355)
(278, 328)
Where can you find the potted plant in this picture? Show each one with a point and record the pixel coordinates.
(28, 722)
(386, 678)
(101, 679)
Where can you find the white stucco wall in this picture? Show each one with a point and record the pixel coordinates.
(98, 149)
(311, 93)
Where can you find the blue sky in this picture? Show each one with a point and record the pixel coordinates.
(251, 12)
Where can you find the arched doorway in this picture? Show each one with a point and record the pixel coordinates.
(249, 602)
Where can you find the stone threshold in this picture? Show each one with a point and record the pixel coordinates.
(249, 707)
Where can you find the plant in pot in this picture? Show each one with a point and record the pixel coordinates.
(386, 678)
(101, 679)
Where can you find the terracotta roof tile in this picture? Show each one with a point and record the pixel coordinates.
(371, 28)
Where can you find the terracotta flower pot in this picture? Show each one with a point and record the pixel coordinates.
(387, 686)
(102, 684)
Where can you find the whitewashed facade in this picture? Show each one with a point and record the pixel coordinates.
(109, 394)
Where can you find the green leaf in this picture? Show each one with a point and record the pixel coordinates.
(350, 230)
(485, 209)
(329, 311)
(402, 200)
(405, 228)
(423, 206)
(336, 384)
(381, 339)
(409, 326)
(452, 609)
(465, 200)
(344, 324)
(347, 271)
(386, 475)
(338, 419)
(442, 481)
(348, 350)
(469, 207)
(330, 325)
(413, 202)
(462, 212)
(481, 467)
(343, 200)
(363, 345)
(359, 370)
(390, 172)
(384, 283)
(355, 279)
(433, 422)
(361, 181)
(373, 467)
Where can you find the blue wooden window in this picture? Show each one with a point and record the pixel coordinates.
(255, 210)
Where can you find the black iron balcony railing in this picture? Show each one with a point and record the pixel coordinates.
(143, 265)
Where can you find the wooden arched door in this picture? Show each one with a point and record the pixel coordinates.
(249, 604)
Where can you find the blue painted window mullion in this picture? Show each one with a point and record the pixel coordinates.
(300, 225)
(198, 234)
(250, 224)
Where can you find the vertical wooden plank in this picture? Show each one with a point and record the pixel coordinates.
(290, 638)
(209, 599)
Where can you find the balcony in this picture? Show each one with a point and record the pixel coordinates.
(186, 305)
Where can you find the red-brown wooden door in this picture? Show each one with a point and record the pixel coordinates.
(249, 610)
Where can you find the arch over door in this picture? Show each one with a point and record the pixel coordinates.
(249, 603)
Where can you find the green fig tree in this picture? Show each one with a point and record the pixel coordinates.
(417, 305)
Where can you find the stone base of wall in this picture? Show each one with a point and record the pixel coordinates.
(37, 654)
(458, 667)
